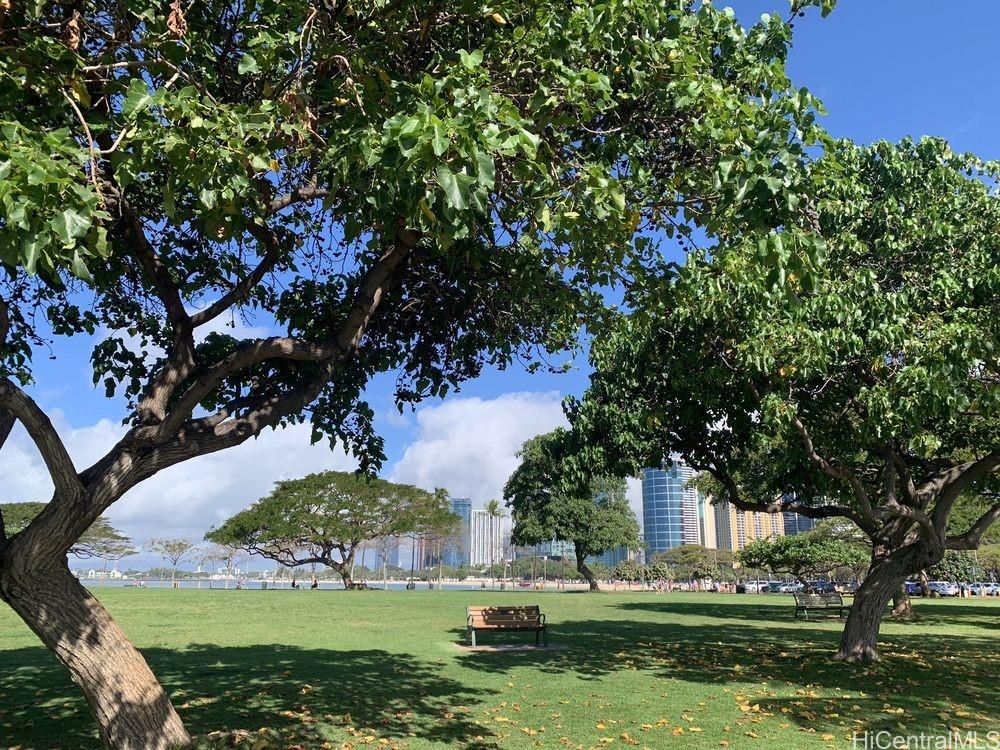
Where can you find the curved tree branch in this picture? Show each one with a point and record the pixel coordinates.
(50, 445)
(971, 538)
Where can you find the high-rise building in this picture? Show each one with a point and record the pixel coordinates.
(736, 528)
(456, 552)
(489, 538)
(796, 524)
(614, 556)
(672, 512)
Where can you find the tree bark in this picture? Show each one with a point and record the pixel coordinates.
(586, 572)
(902, 609)
(885, 577)
(131, 708)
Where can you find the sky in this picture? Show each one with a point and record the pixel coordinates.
(884, 70)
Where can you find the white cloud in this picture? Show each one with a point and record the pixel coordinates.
(468, 445)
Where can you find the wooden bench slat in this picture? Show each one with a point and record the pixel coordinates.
(511, 618)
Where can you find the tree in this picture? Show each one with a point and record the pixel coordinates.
(690, 562)
(806, 556)
(495, 514)
(548, 502)
(956, 566)
(862, 383)
(630, 571)
(229, 555)
(173, 551)
(406, 187)
(325, 518)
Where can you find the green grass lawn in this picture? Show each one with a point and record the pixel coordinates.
(380, 669)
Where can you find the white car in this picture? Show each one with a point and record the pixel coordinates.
(985, 589)
(945, 588)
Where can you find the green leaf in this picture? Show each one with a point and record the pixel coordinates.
(137, 97)
(69, 225)
(79, 268)
(440, 141)
(207, 198)
(485, 171)
(455, 186)
(471, 60)
(248, 64)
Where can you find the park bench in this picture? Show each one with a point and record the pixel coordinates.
(358, 586)
(506, 619)
(828, 602)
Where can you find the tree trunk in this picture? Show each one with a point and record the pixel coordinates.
(586, 572)
(925, 583)
(885, 577)
(131, 708)
(345, 575)
(901, 607)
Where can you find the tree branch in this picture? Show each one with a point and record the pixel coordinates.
(971, 538)
(180, 360)
(6, 425)
(147, 449)
(240, 290)
(781, 506)
(50, 445)
(949, 485)
(299, 195)
(835, 469)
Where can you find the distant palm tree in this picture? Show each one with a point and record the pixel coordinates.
(495, 512)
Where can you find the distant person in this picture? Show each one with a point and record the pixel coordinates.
(315, 583)
(295, 584)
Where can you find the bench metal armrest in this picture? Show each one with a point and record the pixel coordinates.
(541, 619)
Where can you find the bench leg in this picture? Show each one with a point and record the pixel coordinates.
(538, 634)
(545, 637)
(472, 637)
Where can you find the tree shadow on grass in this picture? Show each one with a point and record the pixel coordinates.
(299, 695)
(783, 668)
(932, 612)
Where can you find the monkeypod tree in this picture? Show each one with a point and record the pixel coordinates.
(173, 551)
(692, 562)
(806, 556)
(863, 384)
(549, 502)
(408, 187)
(325, 518)
(229, 555)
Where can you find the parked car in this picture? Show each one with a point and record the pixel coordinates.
(790, 588)
(945, 588)
(985, 588)
(846, 587)
(822, 587)
(913, 588)
(756, 587)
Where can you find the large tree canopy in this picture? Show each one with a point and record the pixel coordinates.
(868, 388)
(324, 518)
(548, 502)
(408, 187)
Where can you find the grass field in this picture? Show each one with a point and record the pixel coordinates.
(381, 669)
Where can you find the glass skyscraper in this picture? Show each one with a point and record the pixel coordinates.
(456, 553)
(670, 512)
(796, 524)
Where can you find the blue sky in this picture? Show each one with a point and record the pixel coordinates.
(884, 69)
